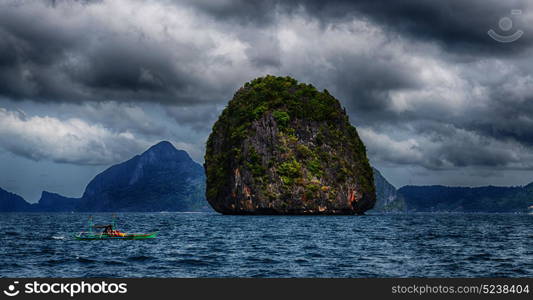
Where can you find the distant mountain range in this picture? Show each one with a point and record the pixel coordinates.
(13, 202)
(10, 202)
(438, 198)
(54, 202)
(164, 178)
(491, 199)
(160, 179)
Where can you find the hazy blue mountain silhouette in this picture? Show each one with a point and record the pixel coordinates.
(51, 202)
(438, 198)
(10, 202)
(163, 178)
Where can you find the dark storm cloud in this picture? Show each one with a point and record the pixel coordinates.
(199, 118)
(52, 60)
(493, 137)
(365, 82)
(503, 115)
(458, 25)
(119, 69)
(368, 96)
(422, 80)
(241, 11)
(459, 147)
(69, 59)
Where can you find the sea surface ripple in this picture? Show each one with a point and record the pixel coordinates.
(213, 245)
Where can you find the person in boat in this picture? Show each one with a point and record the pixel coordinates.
(108, 229)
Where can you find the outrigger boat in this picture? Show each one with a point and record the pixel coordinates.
(111, 233)
(103, 236)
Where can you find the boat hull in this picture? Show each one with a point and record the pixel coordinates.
(132, 236)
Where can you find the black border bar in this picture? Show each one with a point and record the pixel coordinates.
(251, 289)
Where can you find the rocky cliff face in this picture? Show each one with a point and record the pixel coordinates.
(161, 179)
(386, 195)
(282, 147)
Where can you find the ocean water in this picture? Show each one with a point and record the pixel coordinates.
(212, 245)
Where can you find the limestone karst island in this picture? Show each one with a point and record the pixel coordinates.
(283, 147)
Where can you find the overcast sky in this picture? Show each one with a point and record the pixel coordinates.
(86, 84)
